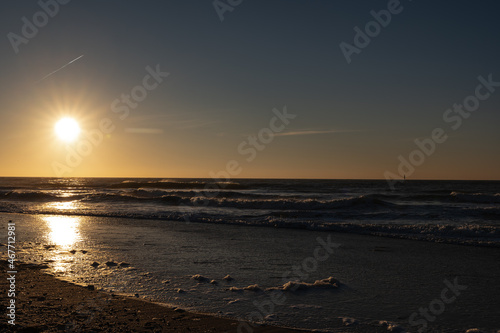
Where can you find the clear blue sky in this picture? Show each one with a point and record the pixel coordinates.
(352, 120)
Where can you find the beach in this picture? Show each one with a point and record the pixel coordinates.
(348, 282)
(46, 304)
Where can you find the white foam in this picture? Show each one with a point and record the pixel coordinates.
(327, 283)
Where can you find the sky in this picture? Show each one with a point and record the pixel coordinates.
(251, 89)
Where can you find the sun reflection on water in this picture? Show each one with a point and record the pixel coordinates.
(63, 230)
(63, 205)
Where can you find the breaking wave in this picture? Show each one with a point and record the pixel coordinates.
(461, 212)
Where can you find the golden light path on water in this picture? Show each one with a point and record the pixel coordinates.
(63, 232)
(64, 206)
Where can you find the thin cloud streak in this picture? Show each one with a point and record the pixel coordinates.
(144, 130)
(315, 132)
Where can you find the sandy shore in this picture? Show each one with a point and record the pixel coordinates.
(413, 284)
(46, 304)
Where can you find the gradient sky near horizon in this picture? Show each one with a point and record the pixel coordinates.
(352, 120)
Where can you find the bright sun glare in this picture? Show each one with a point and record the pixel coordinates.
(67, 129)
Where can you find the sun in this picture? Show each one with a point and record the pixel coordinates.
(67, 129)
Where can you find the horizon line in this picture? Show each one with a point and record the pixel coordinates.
(254, 178)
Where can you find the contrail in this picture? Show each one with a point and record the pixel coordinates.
(57, 70)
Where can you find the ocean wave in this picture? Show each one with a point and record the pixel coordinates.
(444, 197)
(37, 196)
(174, 184)
(158, 193)
(236, 200)
(468, 234)
(475, 197)
(354, 205)
(464, 234)
(363, 201)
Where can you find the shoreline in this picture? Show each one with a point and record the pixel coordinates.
(45, 303)
(428, 233)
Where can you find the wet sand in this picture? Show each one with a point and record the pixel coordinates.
(46, 304)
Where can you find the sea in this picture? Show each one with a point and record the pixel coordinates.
(224, 246)
(465, 212)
